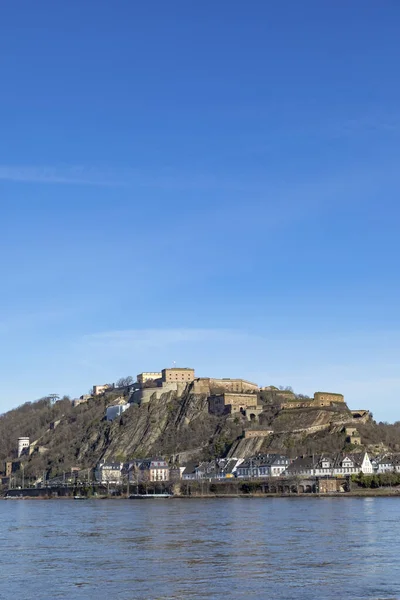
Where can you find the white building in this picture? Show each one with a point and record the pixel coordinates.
(383, 464)
(108, 472)
(113, 412)
(23, 444)
(153, 469)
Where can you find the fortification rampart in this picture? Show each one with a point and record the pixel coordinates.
(254, 433)
(320, 399)
(232, 402)
(154, 393)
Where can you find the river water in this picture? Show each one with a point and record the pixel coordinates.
(305, 548)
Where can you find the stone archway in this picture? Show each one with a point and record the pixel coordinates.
(308, 489)
(301, 489)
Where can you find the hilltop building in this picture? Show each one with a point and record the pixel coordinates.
(362, 416)
(168, 380)
(233, 402)
(211, 385)
(23, 445)
(142, 378)
(80, 400)
(352, 436)
(179, 375)
(320, 399)
(100, 389)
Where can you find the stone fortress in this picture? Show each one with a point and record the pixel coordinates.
(226, 396)
(320, 399)
(153, 384)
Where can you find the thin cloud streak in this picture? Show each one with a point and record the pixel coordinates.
(176, 179)
(160, 338)
(72, 175)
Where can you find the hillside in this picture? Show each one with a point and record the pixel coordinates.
(177, 427)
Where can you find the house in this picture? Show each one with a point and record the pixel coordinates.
(268, 465)
(175, 472)
(229, 466)
(153, 469)
(347, 464)
(108, 472)
(190, 471)
(383, 464)
(209, 470)
(222, 468)
(303, 465)
(363, 461)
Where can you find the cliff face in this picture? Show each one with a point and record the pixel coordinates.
(310, 419)
(168, 425)
(178, 427)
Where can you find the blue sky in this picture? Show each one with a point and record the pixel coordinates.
(211, 183)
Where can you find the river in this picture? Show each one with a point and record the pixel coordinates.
(244, 548)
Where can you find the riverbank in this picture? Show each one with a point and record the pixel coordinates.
(359, 493)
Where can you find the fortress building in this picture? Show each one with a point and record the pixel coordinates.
(23, 444)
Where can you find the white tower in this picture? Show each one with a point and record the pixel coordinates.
(23, 443)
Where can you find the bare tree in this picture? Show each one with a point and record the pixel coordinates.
(124, 382)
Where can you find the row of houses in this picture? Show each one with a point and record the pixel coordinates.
(223, 468)
(386, 463)
(260, 466)
(278, 465)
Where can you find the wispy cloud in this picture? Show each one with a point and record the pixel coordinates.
(65, 175)
(135, 339)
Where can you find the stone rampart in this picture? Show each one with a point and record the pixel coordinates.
(232, 402)
(253, 433)
(154, 393)
(327, 398)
